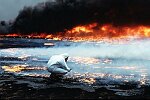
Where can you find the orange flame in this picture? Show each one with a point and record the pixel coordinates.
(80, 29)
(107, 31)
(94, 32)
(12, 35)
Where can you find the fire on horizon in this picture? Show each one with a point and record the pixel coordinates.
(93, 32)
(79, 20)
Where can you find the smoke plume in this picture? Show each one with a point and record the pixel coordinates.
(61, 15)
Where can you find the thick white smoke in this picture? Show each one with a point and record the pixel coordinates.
(133, 50)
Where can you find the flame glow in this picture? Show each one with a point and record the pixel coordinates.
(94, 32)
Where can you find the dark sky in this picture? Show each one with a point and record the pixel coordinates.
(9, 9)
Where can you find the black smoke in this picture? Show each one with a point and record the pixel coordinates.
(58, 16)
(5, 27)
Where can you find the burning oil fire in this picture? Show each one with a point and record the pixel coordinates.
(95, 32)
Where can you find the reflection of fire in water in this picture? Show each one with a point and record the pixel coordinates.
(19, 68)
(24, 57)
(37, 75)
(14, 68)
(85, 60)
(88, 80)
(95, 32)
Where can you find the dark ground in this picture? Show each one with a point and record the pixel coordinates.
(30, 87)
(21, 87)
